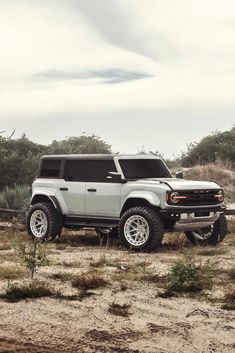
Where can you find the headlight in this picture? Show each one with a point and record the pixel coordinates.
(220, 196)
(174, 197)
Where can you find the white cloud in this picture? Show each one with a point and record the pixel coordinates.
(186, 47)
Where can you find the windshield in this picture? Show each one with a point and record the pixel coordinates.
(144, 168)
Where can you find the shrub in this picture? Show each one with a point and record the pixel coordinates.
(88, 281)
(17, 197)
(16, 292)
(32, 254)
(186, 276)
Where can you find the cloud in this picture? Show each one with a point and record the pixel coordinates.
(117, 25)
(110, 76)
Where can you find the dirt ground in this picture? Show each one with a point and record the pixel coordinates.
(151, 324)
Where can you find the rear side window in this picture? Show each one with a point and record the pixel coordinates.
(50, 168)
(88, 170)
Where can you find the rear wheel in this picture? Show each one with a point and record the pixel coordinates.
(211, 235)
(140, 228)
(43, 222)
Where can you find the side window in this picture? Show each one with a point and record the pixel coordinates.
(88, 170)
(98, 170)
(76, 170)
(50, 168)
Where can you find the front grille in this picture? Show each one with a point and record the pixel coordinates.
(196, 198)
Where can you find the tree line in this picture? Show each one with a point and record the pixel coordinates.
(19, 157)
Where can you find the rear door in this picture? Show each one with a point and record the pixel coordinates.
(73, 186)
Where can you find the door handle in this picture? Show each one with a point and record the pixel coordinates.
(64, 189)
(91, 190)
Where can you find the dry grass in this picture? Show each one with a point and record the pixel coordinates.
(89, 280)
(119, 309)
(220, 250)
(34, 289)
(217, 172)
(69, 264)
(12, 272)
(229, 300)
(63, 276)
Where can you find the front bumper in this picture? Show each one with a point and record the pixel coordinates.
(190, 219)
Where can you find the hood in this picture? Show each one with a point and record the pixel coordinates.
(182, 184)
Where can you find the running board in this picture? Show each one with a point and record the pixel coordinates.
(78, 222)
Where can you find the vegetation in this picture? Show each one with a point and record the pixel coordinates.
(229, 300)
(16, 198)
(11, 272)
(216, 146)
(16, 292)
(186, 276)
(32, 254)
(119, 310)
(90, 280)
(19, 157)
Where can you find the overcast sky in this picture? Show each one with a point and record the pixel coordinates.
(152, 73)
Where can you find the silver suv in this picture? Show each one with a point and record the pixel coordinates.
(134, 197)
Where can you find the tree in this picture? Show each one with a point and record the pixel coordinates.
(216, 146)
(19, 158)
(79, 144)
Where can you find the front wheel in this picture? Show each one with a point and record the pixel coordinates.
(140, 228)
(43, 222)
(211, 235)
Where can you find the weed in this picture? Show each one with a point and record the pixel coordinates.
(185, 276)
(229, 300)
(119, 310)
(32, 254)
(88, 281)
(17, 292)
(80, 297)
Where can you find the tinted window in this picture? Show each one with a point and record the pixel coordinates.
(50, 168)
(144, 168)
(89, 170)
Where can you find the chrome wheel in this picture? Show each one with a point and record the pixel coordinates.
(38, 224)
(136, 230)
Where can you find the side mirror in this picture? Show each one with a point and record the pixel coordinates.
(114, 176)
(179, 175)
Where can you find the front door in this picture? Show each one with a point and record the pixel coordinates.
(102, 194)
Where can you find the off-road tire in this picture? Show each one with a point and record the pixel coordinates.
(219, 232)
(156, 228)
(54, 221)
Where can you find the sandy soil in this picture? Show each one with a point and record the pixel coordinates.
(154, 324)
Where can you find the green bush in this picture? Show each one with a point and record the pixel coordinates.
(17, 198)
(216, 146)
(186, 276)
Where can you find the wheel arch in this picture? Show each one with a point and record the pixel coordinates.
(46, 198)
(137, 201)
